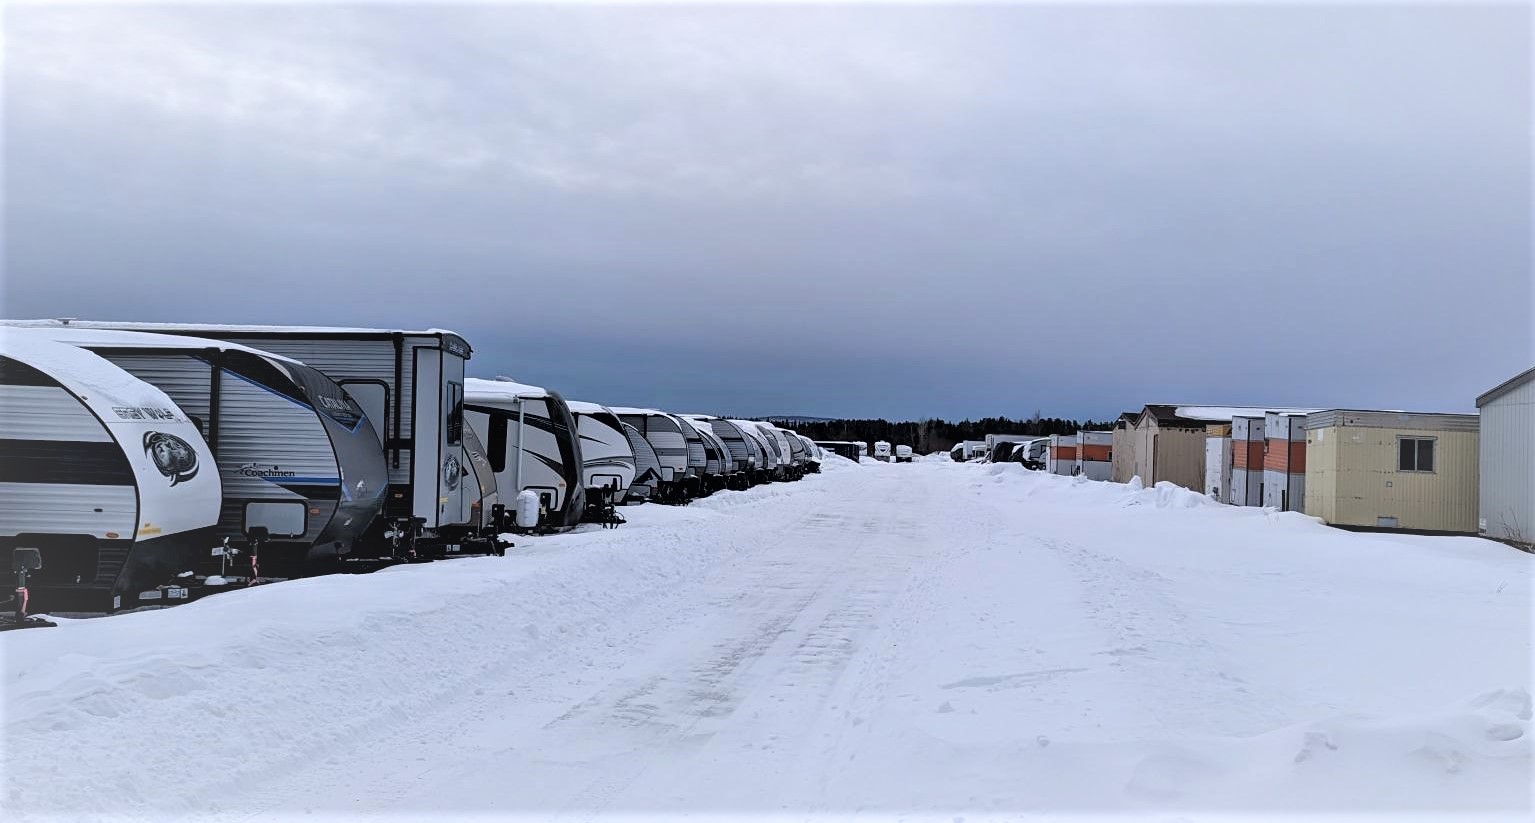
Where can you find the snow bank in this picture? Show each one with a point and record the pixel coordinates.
(1405, 626)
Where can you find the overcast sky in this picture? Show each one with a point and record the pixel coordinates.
(840, 211)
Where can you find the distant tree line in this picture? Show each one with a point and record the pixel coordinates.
(938, 435)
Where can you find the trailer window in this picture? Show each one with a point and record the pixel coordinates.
(455, 413)
(495, 447)
(1415, 454)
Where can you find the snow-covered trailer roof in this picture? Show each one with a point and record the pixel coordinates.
(768, 450)
(718, 455)
(452, 339)
(668, 437)
(504, 387)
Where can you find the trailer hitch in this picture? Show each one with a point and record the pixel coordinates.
(24, 560)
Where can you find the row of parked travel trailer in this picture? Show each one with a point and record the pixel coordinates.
(146, 463)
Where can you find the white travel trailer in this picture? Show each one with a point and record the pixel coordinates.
(675, 456)
(903, 454)
(409, 383)
(103, 474)
(995, 442)
(787, 465)
(799, 457)
(767, 457)
(296, 455)
(1032, 453)
(745, 456)
(813, 455)
(607, 461)
(647, 466)
(770, 461)
(882, 451)
(530, 442)
(719, 468)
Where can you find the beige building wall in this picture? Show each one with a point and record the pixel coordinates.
(1180, 457)
(1144, 452)
(1123, 458)
(1352, 479)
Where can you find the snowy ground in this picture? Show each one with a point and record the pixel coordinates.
(923, 641)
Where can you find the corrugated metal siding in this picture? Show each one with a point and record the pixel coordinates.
(1284, 462)
(187, 379)
(65, 508)
(735, 441)
(1507, 465)
(342, 360)
(260, 431)
(1247, 440)
(1352, 479)
(47, 413)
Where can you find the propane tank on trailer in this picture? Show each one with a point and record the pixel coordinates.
(527, 509)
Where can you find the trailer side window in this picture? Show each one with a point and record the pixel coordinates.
(455, 413)
(1415, 454)
(496, 445)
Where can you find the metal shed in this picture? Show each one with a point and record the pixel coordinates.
(1393, 470)
(1507, 461)
(1122, 461)
(1284, 461)
(1094, 453)
(1061, 454)
(1218, 461)
(1247, 441)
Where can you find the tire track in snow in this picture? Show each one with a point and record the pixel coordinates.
(509, 696)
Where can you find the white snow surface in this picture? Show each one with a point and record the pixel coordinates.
(502, 388)
(116, 338)
(1224, 414)
(933, 641)
(83, 372)
(584, 407)
(221, 328)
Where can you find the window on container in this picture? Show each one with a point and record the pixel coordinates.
(1415, 454)
(496, 445)
(455, 413)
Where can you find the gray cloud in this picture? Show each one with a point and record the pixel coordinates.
(841, 210)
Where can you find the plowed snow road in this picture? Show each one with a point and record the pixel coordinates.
(921, 640)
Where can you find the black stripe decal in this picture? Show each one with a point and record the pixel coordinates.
(311, 491)
(64, 461)
(16, 373)
(555, 465)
